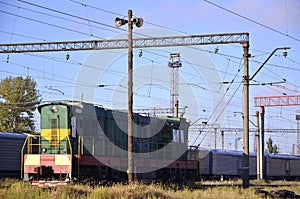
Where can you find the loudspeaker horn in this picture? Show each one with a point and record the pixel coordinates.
(120, 22)
(138, 22)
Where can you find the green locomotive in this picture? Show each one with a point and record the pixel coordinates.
(80, 140)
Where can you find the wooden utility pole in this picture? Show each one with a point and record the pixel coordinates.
(130, 100)
(138, 22)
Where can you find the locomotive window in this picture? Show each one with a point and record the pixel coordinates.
(53, 123)
(53, 132)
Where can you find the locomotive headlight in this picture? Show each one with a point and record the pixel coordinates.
(44, 150)
(54, 109)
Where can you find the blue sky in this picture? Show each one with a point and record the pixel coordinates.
(21, 21)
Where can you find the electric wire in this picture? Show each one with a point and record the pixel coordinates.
(49, 24)
(214, 122)
(118, 14)
(22, 35)
(67, 14)
(65, 19)
(253, 21)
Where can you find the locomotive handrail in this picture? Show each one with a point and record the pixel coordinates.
(70, 146)
(71, 152)
(30, 145)
(22, 156)
(78, 155)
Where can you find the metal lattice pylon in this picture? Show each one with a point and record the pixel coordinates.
(174, 64)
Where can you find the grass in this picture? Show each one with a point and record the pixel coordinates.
(13, 189)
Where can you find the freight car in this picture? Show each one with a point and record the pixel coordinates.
(80, 140)
(222, 164)
(10, 153)
(281, 166)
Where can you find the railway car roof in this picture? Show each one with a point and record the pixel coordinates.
(253, 154)
(282, 156)
(12, 135)
(172, 121)
(229, 152)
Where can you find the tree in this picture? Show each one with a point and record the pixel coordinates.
(270, 147)
(19, 98)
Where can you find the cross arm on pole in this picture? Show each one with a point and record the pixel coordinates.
(283, 48)
(205, 39)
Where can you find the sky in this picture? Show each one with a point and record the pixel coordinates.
(202, 91)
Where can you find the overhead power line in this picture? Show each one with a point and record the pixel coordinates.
(253, 21)
(46, 23)
(22, 35)
(118, 14)
(63, 18)
(67, 14)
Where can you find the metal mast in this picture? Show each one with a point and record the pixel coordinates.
(174, 64)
